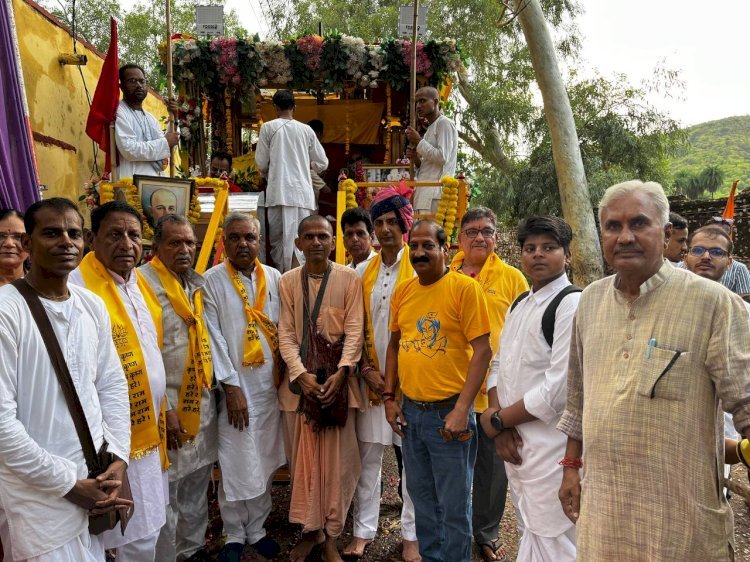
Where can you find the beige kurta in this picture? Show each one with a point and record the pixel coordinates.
(325, 466)
(652, 435)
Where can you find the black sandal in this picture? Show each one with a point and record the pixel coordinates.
(494, 546)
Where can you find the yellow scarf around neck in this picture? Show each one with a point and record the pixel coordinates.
(405, 272)
(253, 350)
(148, 429)
(492, 268)
(198, 363)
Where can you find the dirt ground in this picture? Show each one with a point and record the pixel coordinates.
(387, 545)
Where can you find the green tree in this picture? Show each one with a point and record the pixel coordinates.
(140, 29)
(712, 177)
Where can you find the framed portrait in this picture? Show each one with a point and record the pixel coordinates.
(385, 172)
(162, 196)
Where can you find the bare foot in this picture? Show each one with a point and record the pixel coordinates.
(356, 548)
(306, 543)
(410, 552)
(331, 551)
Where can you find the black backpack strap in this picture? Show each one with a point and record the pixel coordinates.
(550, 313)
(519, 298)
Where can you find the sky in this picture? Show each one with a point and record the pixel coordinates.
(707, 42)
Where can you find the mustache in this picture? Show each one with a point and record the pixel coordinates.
(420, 260)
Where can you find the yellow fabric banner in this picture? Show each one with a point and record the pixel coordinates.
(198, 363)
(148, 429)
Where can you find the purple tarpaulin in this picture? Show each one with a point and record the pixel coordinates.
(18, 181)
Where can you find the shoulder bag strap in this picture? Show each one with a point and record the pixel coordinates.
(550, 313)
(61, 370)
(519, 298)
(311, 320)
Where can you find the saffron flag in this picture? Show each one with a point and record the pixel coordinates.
(106, 99)
(729, 208)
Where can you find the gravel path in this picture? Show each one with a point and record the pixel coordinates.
(387, 545)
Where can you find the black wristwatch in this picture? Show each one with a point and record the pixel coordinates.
(497, 421)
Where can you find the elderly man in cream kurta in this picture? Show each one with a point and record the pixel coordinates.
(109, 271)
(242, 307)
(191, 409)
(646, 381)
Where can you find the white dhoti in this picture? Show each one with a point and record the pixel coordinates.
(427, 199)
(244, 519)
(83, 548)
(184, 533)
(141, 550)
(535, 548)
(282, 231)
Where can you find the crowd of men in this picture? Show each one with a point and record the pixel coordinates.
(602, 411)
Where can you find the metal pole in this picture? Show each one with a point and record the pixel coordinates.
(413, 91)
(171, 126)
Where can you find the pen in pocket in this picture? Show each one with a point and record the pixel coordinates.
(650, 348)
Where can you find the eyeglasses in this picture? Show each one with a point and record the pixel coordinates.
(698, 251)
(140, 82)
(14, 236)
(474, 232)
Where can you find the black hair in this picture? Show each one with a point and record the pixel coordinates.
(440, 234)
(678, 222)
(283, 99)
(5, 213)
(712, 231)
(476, 213)
(60, 204)
(164, 221)
(316, 125)
(223, 155)
(312, 218)
(125, 67)
(353, 216)
(551, 226)
(100, 213)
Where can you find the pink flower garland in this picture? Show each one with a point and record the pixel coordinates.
(311, 46)
(424, 65)
(225, 56)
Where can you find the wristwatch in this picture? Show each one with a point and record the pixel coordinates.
(497, 421)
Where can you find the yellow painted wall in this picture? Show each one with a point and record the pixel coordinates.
(57, 100)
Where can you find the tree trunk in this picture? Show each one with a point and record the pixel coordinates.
(571, 177)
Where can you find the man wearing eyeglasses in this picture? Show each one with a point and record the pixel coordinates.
(736, 278)
(142, 147)
(501, 285)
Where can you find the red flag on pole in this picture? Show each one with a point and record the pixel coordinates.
(106, 98)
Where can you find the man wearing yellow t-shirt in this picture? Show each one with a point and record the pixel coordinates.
(501, 285)
(438, 356)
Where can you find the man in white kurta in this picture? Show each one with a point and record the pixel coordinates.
(286, 152)
(434, 154)
(248, 457)
(391, 214)
(141, 145)
(192, 459)
(116, 243)
(41, 459)
(526, 368)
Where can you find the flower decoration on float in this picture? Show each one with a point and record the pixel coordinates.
(107, 191)
(350, 187)
(217, 184)
(448, 206)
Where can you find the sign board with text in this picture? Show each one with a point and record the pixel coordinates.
(406, 21)
(209, 20)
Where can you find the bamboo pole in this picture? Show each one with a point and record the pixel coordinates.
(115, 172)
(171, 125)
(413, 85)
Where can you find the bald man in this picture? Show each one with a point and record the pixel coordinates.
(434, 155)
(163, 203)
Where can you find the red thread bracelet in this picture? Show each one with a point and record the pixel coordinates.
(570, 462)
(387, 398)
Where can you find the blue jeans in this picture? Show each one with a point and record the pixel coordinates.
(439, 476)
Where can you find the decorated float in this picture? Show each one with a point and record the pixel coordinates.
(360, 91)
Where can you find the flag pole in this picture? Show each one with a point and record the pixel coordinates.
(413, 90)
(171, 125)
